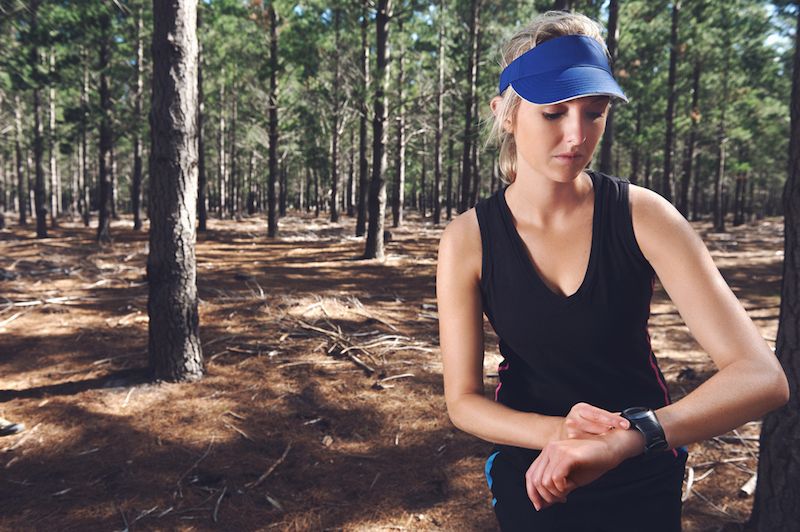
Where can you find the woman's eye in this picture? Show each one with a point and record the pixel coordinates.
(595, 116)
(551, 116)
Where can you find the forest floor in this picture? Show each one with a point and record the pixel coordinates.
(285, 431)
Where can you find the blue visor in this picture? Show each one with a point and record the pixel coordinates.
(561, 69)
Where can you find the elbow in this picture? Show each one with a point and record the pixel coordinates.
(455, 411)
(452, 413)
(781, 391)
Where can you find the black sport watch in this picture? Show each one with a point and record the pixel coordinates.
(645, 421)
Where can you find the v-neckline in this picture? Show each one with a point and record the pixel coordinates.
(526, 256)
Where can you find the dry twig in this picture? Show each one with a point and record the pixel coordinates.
(269, 471)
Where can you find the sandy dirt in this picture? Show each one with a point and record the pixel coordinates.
(288, 430)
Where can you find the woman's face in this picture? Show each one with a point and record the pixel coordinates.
(558, 140)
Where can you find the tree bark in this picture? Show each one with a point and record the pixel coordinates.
(55, 196)
(334, 200)
(363, 178)
(202, 182)
(233, 180)
(449, 188)
(38, 136)
(136, 181)
(351, 186)
(86, 199)
(104, 155)
(719, 208)
(666, 183)
(272, 218)
(377, 187)
(466, 166)
(688, 161)
(606, 159)
(437, 140)
(174, 341)
(22, 194)
(400, 152)
(221, 166)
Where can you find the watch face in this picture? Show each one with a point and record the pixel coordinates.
(639, 415)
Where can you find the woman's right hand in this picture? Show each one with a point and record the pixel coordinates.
(587, 420)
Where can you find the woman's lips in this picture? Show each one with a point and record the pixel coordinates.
(567, 157)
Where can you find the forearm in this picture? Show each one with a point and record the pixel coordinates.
(497, 423)
(740, 392)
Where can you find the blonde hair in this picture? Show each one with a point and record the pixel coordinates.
(544, 27)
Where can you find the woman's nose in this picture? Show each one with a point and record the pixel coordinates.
(575, 133)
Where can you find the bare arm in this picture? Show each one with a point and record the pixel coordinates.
(750, 381)
(461, 339)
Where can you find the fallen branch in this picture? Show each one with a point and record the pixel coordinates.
(269, 471)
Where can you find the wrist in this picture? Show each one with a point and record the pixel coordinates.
(626, 443)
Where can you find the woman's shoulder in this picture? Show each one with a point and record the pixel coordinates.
(460, 243)
(655, 221)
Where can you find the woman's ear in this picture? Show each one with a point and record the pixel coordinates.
(495, 102)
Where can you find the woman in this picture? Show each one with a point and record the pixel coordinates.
(562, 262)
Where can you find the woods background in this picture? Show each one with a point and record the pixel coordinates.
(313, 135)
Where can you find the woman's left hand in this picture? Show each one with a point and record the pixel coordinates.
(565, 465)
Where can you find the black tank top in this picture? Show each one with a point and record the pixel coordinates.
(592, 346)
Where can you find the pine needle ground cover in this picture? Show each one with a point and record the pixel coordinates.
(322, 407)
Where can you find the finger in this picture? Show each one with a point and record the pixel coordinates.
(538, 479)
(533, 494)
(602, 418)
(544, 484)
(552, 478)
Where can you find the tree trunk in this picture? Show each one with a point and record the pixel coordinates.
(400, 151)
(283, 190)
(272, 218)
(423, 177)
(437, 140)
(334, 203)
(466, 166)
(202, 183)
(222, 170)
(666, 183)
(775, 506)
(449, 188)
(233, 180)
(114, 180)
(136, 180)
(38, 136)
(688, 161)
(351, 186)
(174, 341)
(719, 208)
(377, 187)
(104, 155)
(55, 196)
(86, 199)
(22, 194)
(361, 220)
(475, 158)
(606, 159)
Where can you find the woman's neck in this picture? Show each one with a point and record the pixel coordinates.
(542, 201)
